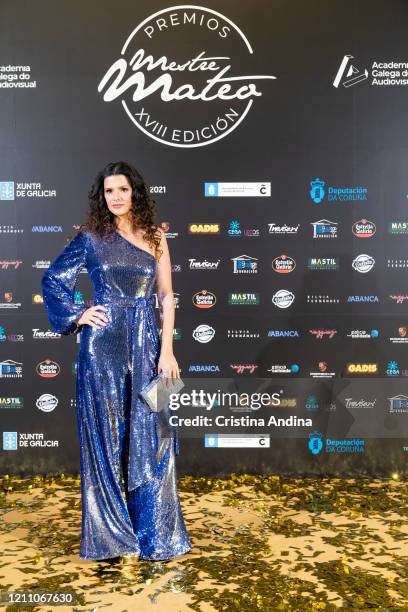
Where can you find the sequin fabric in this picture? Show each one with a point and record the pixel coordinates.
(130, 502)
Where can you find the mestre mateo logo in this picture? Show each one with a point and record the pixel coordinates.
(177, 76)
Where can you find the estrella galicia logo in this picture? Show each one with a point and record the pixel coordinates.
(315, 442)
(317, 191)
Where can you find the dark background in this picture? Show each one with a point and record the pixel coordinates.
(62, 133)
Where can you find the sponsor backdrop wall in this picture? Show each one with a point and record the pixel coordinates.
(273, 136)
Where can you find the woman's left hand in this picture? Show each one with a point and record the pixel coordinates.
(168, 365)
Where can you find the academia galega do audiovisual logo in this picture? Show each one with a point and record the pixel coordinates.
(389, 73)
(178, 76)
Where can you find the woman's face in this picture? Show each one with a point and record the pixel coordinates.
(118, 194)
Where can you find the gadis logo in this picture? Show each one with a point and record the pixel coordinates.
(177, 78)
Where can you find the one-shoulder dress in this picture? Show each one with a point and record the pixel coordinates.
(130, 502)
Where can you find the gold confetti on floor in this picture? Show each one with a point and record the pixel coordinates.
(259, 543)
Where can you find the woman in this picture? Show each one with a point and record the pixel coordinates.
(126, 256)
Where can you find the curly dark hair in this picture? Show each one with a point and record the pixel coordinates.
(100, 219)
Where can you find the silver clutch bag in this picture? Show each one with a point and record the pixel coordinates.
(157, 393)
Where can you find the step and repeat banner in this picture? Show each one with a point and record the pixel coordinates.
(273, 137)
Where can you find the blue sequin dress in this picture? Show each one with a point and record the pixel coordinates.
(130, 503)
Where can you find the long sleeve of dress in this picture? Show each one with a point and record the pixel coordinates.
(58, 284)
